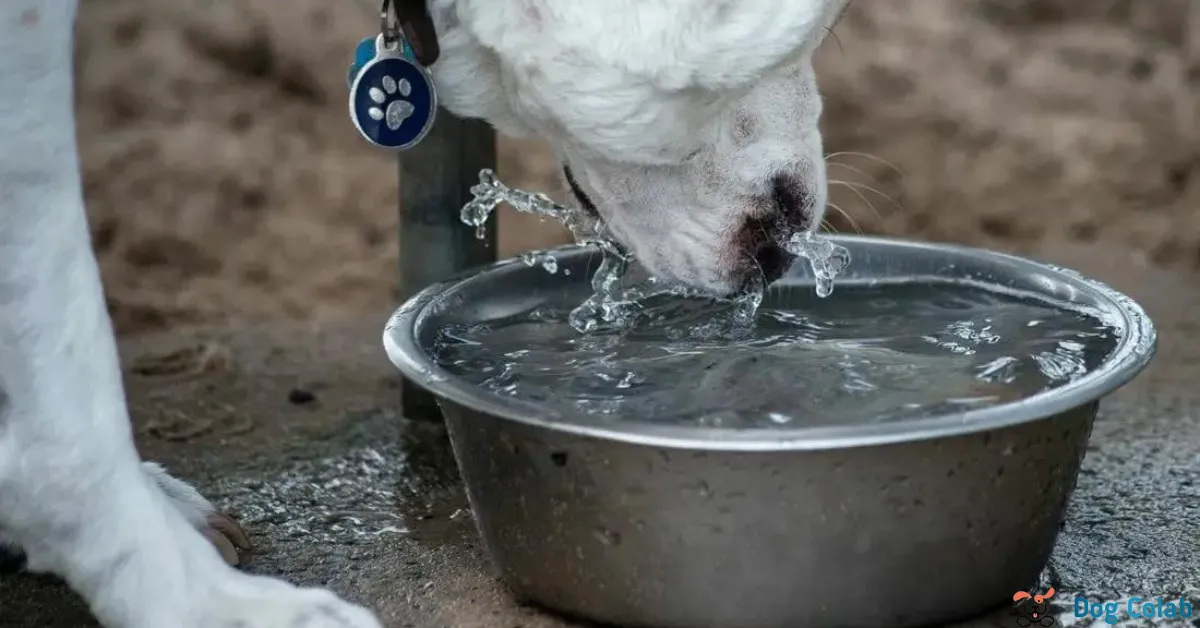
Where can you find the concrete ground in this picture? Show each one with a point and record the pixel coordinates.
(294, 429)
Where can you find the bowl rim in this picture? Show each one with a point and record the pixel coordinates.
(1135, 349)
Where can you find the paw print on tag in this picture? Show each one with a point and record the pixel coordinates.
(392, 101)
(395, 112)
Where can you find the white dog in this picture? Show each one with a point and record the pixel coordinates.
(689, 125)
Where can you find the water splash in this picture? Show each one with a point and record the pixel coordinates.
(605, 306)
(545, 259)
(610, 305)
(490, 193)
(826, 258)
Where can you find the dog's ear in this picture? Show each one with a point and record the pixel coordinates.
(1045, 596)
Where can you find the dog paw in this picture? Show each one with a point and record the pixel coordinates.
(221, 530)
(390, 104)
(260, 602)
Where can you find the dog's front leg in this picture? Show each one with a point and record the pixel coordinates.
(73, 493)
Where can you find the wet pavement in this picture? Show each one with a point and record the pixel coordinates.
(294, 429)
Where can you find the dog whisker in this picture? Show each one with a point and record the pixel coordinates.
(850, 219)
(851, 168)
(855, 185)
(861, 197)
(879, 160)
(829, 31)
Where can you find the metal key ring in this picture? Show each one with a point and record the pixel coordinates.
(390, 30)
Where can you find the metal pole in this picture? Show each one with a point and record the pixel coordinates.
(434, 244)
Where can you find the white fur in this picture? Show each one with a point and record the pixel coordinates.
(646, 100)
(643, 98)
(73, 494)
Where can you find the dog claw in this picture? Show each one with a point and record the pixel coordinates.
(227, 536)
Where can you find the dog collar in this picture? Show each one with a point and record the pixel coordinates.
(417, 26)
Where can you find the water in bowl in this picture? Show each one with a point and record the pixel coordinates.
(876, 352)
(610, 350)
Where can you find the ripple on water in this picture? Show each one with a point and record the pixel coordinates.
(879, 352)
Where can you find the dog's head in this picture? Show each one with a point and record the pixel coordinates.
(689, 126)
(1033, 609)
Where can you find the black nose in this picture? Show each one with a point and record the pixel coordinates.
(772, 259)
(761, 255)
(791, 199)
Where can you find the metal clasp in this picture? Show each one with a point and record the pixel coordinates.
(389, 25)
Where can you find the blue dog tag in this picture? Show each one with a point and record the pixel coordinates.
(366, 51)
(362, 55)
(392, 98)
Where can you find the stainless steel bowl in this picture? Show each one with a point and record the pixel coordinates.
(886, 524)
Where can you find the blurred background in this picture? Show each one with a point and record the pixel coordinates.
(225, 182)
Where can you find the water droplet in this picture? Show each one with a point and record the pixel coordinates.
(826, 258)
